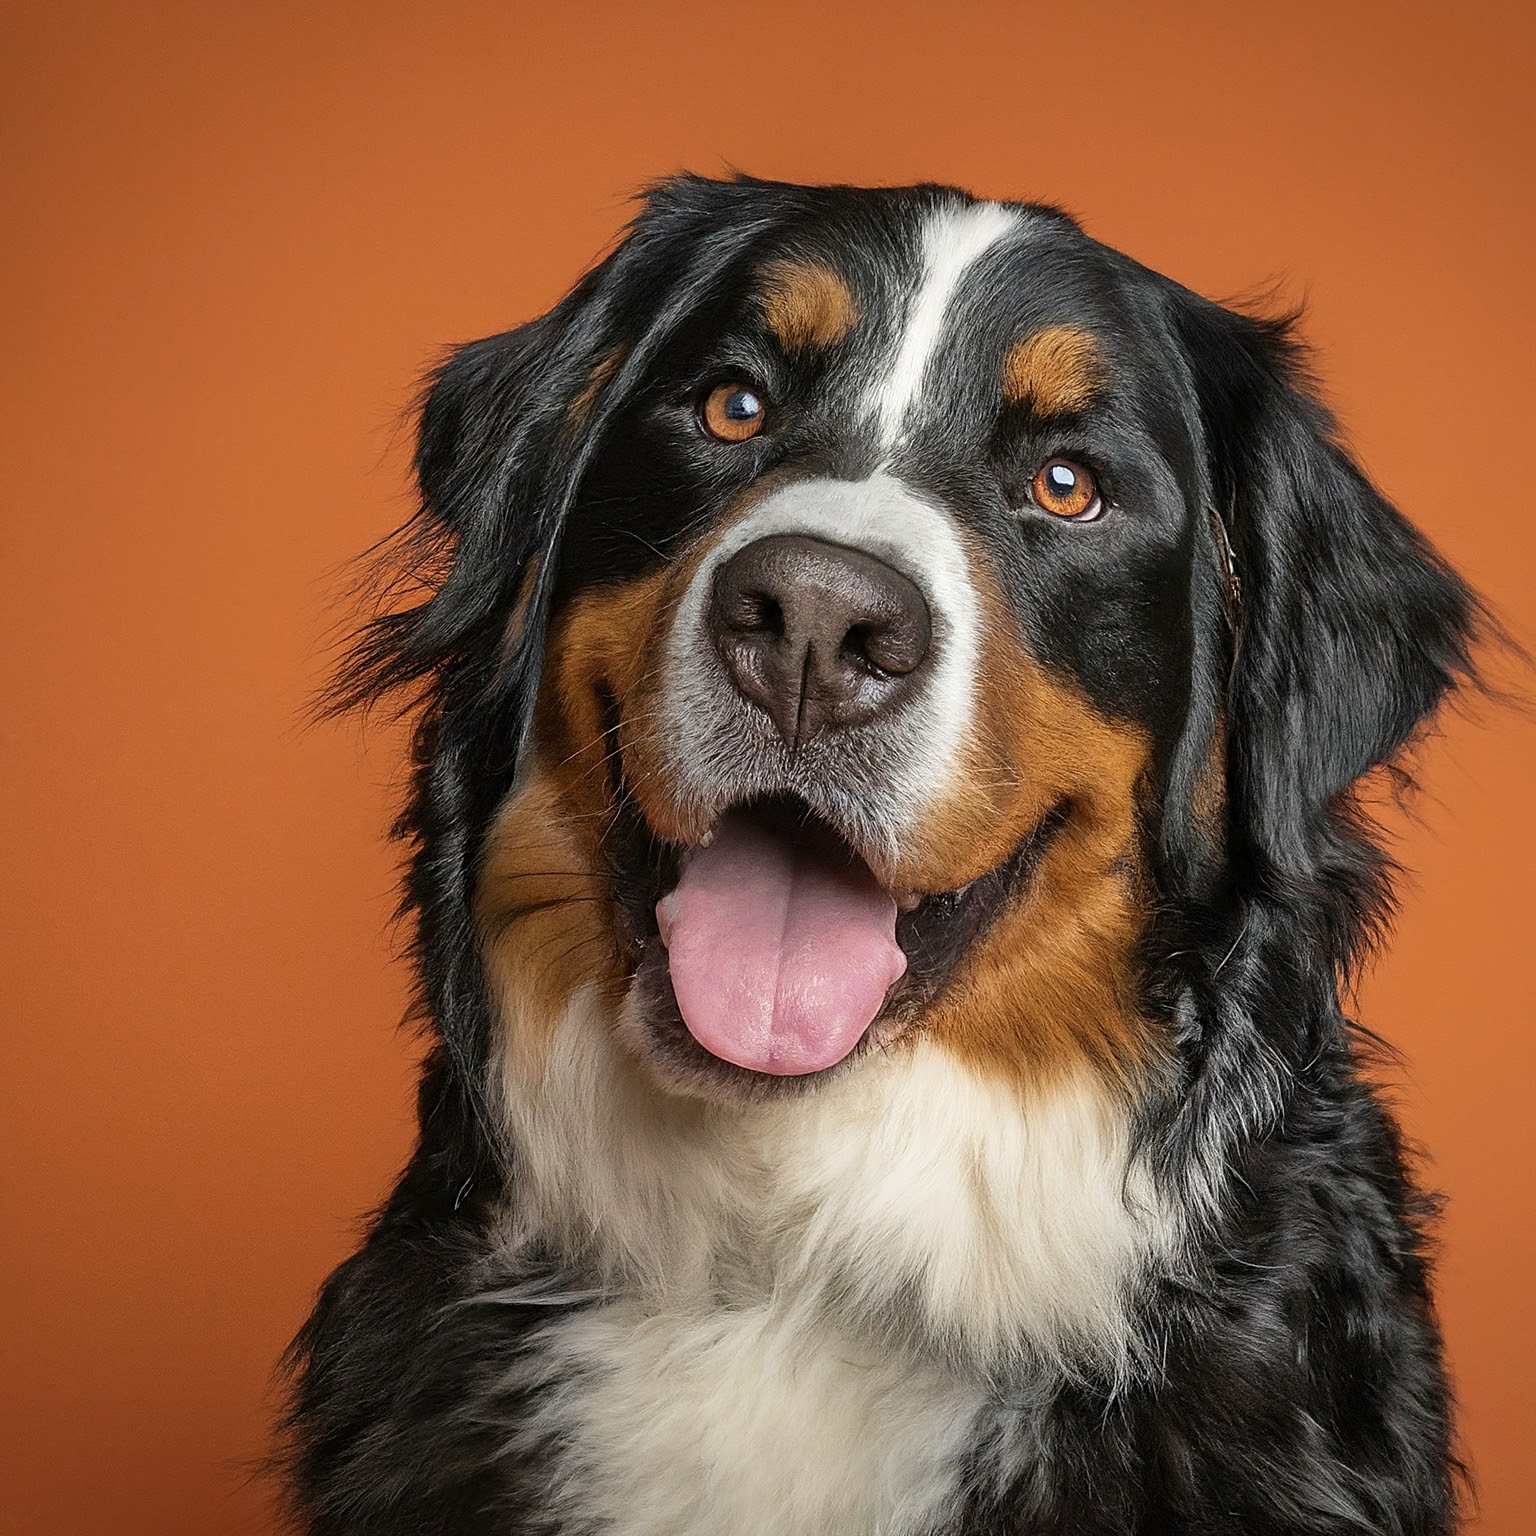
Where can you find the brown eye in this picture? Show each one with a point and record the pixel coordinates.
(1065, 489)
(733, 412)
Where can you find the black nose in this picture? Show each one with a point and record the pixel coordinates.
(816, 635)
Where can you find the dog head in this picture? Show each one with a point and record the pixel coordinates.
(857, 616)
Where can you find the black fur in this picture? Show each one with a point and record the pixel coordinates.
(1299, 1386)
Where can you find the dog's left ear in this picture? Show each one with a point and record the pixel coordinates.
(1350, 628)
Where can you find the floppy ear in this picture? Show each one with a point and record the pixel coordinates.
(484, 465)
(1350, 628)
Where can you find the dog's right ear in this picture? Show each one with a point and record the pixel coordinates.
(488, 467)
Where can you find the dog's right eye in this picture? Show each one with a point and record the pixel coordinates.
(733, 412)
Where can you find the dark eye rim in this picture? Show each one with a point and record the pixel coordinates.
(1096, 509)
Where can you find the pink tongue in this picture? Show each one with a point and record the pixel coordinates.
(782, 947)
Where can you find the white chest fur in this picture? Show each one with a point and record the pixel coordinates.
(811, 1294)
(748, 1421)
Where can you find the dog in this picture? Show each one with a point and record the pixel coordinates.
(893, 679)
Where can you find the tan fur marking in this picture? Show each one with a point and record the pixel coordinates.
(1055, 372)
(580, 410)
(543, 903)
(1051, 986)
(603, 644)
(1210, 796)
(517, 620)
(540, 908)
(806, 304)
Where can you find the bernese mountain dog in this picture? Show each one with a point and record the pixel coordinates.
(893, 681)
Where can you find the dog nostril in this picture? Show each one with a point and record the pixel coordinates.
(753, 613)
(859, 649)
(889, 649)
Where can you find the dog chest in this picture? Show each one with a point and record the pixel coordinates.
(747, 1422)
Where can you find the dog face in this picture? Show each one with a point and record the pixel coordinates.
(836, 645)
(872, 626)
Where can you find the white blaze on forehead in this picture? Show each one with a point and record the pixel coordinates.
(953, 240)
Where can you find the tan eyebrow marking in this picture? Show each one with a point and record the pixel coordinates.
(806, 304)
(1055, 372)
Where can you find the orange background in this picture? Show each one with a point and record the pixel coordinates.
(234, 236)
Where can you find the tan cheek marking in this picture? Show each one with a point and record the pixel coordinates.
(543, 918)
(1053, 984)
(610, 644)
(1055, 372)
(604, 646)
(806, 304)
(543, 902)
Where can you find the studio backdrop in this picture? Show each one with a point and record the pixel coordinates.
(235, 235)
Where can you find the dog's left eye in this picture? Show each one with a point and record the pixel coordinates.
(733, 412)
(1066, 490)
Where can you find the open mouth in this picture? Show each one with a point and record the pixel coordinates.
(772, 952)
